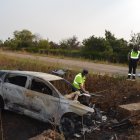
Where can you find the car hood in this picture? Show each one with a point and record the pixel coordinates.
(79, 109)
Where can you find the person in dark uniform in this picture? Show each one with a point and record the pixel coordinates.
(133, 58)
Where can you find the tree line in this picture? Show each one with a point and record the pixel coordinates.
(108, 48)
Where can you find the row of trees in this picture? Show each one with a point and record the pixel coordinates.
(107, 48)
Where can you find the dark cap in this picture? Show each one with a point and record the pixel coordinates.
(85, 71)
(135, 48)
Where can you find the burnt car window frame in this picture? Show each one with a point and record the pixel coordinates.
(14, 83)
(69, 85)
(2, 74)
(46, 84)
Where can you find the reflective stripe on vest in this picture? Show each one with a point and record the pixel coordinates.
(134, 55)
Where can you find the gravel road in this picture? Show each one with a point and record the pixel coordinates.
(67, 63)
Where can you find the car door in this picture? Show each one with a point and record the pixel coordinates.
(14, 91)
(42, 100)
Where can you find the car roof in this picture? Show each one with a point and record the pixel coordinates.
(45, 76)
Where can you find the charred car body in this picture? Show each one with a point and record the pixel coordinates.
(41, 96)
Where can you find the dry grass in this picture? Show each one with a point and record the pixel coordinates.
(15, 63)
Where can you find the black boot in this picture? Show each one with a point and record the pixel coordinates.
(133, 78)
(129, 77)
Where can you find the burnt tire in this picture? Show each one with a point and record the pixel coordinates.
(67, 127)
(1, 103)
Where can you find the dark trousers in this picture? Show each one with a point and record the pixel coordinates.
(132, 66)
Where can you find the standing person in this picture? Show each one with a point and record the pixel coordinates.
(133, 58)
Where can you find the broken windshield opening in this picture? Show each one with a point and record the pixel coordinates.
(63, 86)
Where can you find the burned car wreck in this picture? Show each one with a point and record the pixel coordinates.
(41, 96)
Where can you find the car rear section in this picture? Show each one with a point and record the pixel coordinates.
(2, 73)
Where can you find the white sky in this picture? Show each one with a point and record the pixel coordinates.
(61, 19)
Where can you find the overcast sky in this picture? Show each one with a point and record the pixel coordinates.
(61, 19)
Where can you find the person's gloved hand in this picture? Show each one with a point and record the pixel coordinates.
(87, 92)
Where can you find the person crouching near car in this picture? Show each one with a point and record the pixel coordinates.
(78, 85)
(79, 81)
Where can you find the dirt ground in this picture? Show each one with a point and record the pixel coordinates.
(20, 127)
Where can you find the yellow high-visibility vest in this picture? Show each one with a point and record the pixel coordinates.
(134, 55)
(78, 80)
